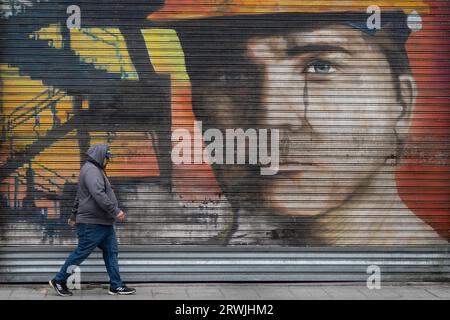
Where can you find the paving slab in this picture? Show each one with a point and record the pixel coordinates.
(413, 292)
(344, 292)
(237, 291)
(308, 293)
(273, 293)
(170, 293)
(5, 293)
(384, 293)
(440, 292)
(199, 293)
(26, 294)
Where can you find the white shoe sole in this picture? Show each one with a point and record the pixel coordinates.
(121, 294)
(60, 294)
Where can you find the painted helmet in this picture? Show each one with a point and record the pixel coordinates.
(195, 9)
(399, 16)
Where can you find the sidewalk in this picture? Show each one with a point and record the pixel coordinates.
(239, 291)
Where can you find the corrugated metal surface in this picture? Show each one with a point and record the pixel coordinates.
(237, 264)
(361, 161)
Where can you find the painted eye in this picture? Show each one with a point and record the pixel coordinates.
(321, 67)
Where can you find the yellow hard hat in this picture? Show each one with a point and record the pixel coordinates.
(195, 9)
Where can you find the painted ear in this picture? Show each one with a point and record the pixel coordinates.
(408, 94)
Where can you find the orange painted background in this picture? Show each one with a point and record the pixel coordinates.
(424, 179)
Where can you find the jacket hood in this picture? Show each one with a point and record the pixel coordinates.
(97, 153)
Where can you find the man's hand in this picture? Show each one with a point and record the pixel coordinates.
(121, 216)
(71, 222)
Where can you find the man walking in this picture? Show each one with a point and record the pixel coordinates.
(95, 212)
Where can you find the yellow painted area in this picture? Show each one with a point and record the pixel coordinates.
(30, 108)
(192, 9)
(166, 54)
(167, 57)
(51, 33)
(105, 48)
(58, 163)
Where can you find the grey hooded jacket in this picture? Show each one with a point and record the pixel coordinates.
(96, 202)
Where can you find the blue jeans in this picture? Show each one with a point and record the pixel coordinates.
(91, 236)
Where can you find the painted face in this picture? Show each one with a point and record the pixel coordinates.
(330, 92)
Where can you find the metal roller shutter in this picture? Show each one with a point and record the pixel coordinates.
(271, 140)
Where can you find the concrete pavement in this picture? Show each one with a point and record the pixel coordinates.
(238, 291)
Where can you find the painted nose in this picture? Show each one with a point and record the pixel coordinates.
(283, 99)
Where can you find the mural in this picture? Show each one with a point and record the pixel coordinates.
(362, 115)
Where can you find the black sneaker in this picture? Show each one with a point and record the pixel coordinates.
(60, 288)
(123, 290)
